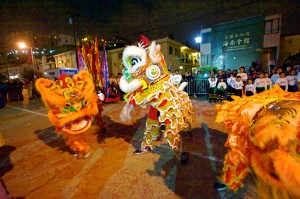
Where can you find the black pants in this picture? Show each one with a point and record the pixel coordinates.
(291, 88)
(239, 92)
(212, 93)
(249, 93)
(260, 89)
(282, 87)
(220, 94)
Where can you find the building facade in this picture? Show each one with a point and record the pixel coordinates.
(289, 46)
(177, 56)
(35, 40)
(65, 60)
(254, 40)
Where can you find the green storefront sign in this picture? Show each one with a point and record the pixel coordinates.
(238, 43)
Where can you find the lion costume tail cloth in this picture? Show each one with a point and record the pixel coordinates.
(72, 105)
(264, 137)
(146, 81)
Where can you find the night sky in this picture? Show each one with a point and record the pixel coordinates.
(130, 18)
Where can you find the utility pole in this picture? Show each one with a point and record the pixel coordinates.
(72, 22)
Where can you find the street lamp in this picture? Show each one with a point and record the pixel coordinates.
(198, 41)
(22, 45)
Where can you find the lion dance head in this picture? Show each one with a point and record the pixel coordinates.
(72, 105)
(264, 136)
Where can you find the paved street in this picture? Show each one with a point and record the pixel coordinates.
(36, 164)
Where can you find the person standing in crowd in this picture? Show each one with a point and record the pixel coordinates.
(254, 75)
(273, 72)
(221, 89)
(288, 70)
(243, 75)
(230, 88)
(234, 72)
(176, 77)
(119, 75)
(228, 73)
(275, 76)
(268, 81)
(220, 74)
(238, 86)
(198, 77)
(250, 88)
(212, 89)
(112, 79)
(3, 90)
(260, 83)
(282, 81)
(30, 89)
(292, 81)
(251, 69)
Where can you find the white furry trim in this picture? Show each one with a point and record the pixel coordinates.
(134, 51)
(129, 87)
(182, 86)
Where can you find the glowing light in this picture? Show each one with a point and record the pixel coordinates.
(183, 47)
(22, 45)
(198, 40)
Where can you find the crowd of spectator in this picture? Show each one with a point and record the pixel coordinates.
(13, 89)
(241, 82)
(224, 84)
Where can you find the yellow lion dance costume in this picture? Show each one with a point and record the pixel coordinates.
(264, 136)
(147, 81)
(72, 105)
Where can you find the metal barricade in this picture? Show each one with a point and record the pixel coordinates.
(197, 87)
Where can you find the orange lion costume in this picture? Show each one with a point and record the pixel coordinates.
(265, 137)
(72, 105)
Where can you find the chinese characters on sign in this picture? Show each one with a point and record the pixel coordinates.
(237, 41)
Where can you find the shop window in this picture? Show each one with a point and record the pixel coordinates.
(272, 26)
(170, 50)
(206, 38)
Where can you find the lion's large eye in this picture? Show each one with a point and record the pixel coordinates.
(135, 60)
